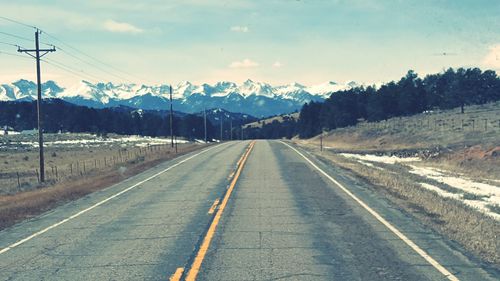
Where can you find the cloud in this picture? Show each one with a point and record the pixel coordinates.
(115, 26)
(277, 64)
(492, 59)
(238, 28)
(246, 63)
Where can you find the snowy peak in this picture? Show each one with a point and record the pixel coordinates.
(325, 89)
(251, 97)
(250, 87)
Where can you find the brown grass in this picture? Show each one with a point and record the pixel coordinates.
(479, 162)
(17, 207)
(475, 231)
(479, 124)
(279, 118)
(67, 161)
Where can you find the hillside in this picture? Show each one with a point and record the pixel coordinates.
(468, 142)
(279, 118)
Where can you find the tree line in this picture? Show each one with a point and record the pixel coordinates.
(60, 116)
(408, 96)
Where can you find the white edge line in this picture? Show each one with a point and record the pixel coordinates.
(99, 203)
(398, 233)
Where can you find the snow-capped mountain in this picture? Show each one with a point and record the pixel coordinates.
(254, 98)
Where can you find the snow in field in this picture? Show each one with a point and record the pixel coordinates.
(462, 182)
(471, 193)
(480, 205)
(487, 194)
(380, 159)
(138, 141)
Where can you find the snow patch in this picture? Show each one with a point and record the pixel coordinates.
(381, 159)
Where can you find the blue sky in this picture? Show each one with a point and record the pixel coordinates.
(274, 41)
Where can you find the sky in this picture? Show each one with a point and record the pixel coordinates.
(273, 41)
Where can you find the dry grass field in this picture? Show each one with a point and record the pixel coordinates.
(441, 167)
(468, 142)
(68, 156)
(279, 118)
(76, 165)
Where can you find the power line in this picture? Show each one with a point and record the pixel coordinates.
(17, 22)
(77, 72)
(10, 44)
(96, 60)
(76, 50)
(92, 65)
(14, 55)
(107, 65)
(16, 36)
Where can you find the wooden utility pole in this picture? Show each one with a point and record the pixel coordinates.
(171, 119)
(221, 127)
(231, 128)
(205, 122)
(38, 54)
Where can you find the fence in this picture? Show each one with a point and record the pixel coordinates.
(437, 124)
(22, 180)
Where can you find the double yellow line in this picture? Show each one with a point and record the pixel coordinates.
(202, 251)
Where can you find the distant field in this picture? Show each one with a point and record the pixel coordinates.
(279, 118)
(70, 156)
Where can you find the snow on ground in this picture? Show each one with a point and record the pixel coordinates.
(480, 205)
(138, 141)
(440, 191)
(462, 183)
(472, 193)
(381, 159)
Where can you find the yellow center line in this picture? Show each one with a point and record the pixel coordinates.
(214, 206)
(177, 275)
(200, 255)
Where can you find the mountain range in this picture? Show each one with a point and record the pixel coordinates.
(254, 98)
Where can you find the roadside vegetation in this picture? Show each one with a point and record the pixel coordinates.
(442, 167)
(473, 230)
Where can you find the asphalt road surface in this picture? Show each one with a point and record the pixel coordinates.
(235, 211)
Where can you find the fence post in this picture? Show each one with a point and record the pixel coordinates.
(37, 175)
(18, 181)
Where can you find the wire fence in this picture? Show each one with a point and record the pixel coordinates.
(437, 124)
(22, 180)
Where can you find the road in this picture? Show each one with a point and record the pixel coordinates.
(235, 211)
